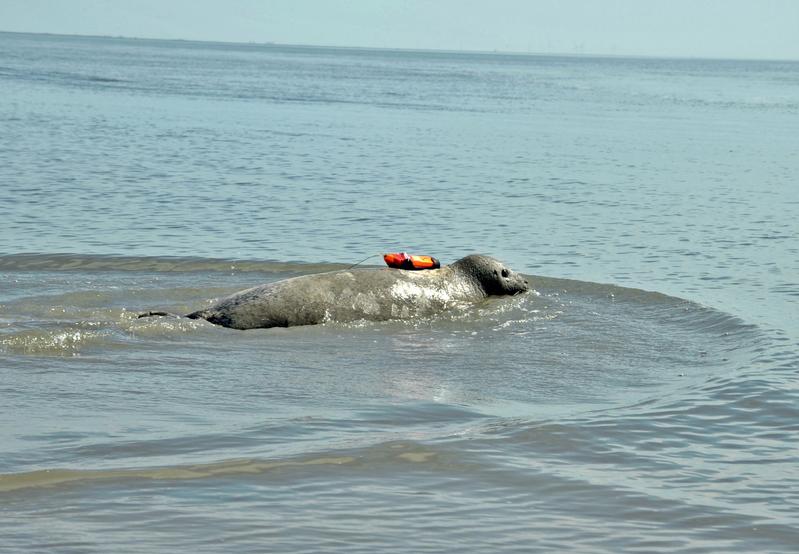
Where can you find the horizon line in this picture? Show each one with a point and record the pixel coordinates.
(495, 52)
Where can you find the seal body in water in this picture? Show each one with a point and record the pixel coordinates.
(370, 294)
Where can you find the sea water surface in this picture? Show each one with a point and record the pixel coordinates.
(644, 397)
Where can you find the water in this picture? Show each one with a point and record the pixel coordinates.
(644, 398)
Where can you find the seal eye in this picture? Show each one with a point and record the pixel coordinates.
(505, 273)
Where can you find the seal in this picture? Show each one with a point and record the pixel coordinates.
(368, 294)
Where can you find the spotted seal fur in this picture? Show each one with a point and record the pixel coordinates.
(363, 294)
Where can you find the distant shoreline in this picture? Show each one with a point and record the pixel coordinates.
(508, 53)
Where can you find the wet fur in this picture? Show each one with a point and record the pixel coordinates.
(371, 294)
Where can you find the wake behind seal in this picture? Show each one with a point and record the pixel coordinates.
(363, 294)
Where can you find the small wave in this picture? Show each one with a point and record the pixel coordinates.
(790, 289)
(57, 477)
(61, 342)
(108, 329)
(394, 452)
(98, 79)
(59, 76)
(85, 262)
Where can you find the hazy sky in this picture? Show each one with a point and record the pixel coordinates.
(695, 28)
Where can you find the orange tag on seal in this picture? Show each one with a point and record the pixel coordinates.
(401, 260)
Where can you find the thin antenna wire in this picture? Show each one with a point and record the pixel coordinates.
(363, 260)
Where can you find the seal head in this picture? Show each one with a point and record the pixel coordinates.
(494, 277)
